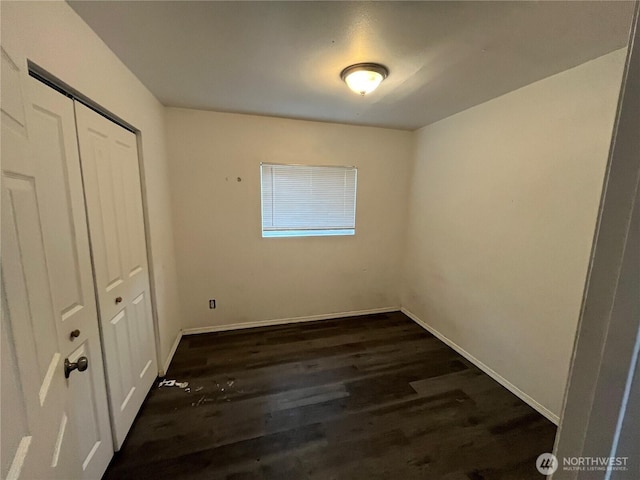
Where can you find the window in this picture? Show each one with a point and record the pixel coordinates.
(305, 201)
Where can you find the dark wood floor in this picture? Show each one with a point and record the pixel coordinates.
(372, 397)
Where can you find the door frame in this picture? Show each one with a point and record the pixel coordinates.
(605, 356)
(54, 82)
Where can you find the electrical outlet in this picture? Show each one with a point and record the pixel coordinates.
(212, 303)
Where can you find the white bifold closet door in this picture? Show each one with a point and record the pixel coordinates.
(109, 158)
(53, 427)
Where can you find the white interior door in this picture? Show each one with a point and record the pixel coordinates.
(52, 426)
(109, 158)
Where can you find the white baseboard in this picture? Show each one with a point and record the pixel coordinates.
(284, 321)
(489, 371)
(172, 352)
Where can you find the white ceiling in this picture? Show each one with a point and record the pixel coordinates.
(284, 58)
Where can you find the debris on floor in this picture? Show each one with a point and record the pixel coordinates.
(172, 383)
(224, 388)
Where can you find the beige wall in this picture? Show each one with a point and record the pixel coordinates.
(53, 36)
(220, 251)
(503, 206)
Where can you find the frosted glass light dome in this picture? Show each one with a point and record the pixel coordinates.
(364, 78)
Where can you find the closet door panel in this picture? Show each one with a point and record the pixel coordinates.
(109, 158)
(66, 244)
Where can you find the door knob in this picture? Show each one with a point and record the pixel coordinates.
(74, 334)
(118, 300)
(81, 365)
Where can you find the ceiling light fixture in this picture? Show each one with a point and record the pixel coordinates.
(364, 78)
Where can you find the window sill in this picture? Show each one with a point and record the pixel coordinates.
(307, 233)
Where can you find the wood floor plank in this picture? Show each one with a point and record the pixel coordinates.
(370, 397)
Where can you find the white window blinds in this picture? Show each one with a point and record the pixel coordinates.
(301, 200)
